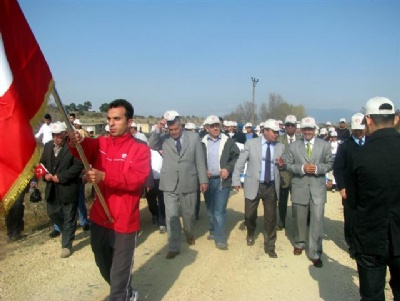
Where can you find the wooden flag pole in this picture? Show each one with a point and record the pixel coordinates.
(80, 151)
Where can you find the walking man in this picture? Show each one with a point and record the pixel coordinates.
(373, 192)
(120, 166)
(264, 159)
(183, 170)
(62, 185)
(222, 154)
(309, 159)
(288, 138)
(342, 162)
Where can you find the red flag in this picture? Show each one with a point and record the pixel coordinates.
(40, 171)
(25, 84)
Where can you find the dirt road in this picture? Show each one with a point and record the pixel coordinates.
(31, 269)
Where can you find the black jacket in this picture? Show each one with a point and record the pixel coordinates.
(228, 156)
(373, 191)
(67, 168)
(342, 161)
(343, 134)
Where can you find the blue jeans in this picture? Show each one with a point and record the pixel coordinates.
(82, 211)
(216, 199)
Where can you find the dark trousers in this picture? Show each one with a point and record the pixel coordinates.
(347, 214)
(155, 202)
(372, 273)
(15, 217)
(282, 205)
(197, 212)
(64, 216)
(113, 253)
(267, 193)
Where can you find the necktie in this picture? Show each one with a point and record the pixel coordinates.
(290, 140)
(267, 177)
(178, 145)
(309, 150)
(360, 142)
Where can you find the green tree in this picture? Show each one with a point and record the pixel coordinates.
(104, 107)
(72, 107)
(81, 108)
(88, 105)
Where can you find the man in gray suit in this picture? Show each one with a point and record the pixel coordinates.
(182, 171)
(264, 159)
(309, 159)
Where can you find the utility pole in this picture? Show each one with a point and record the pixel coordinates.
(255, 81)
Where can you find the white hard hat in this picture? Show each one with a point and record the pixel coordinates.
(308, 122)
(379, 106)
(190, 126)
(356, 122)
(272, 124)
(58, 127)
(171, 115)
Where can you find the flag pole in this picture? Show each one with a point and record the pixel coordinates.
(80, 151)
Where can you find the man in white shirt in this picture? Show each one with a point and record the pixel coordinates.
(45, 130)
(136, 133)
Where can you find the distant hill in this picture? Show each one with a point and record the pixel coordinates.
(332, 115)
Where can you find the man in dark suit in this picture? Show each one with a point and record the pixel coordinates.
(288, 138)
(309, 160)
(182, 171)
(62, 185)
(342, 161)
(373, 192)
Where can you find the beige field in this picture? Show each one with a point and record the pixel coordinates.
(31, 269)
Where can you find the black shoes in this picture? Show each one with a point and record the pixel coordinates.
(250, 240)
(317, 263)
(54, 234)
(172, 254)
(271, 254)
(14, 237)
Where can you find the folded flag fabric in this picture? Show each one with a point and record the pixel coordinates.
(25, 85)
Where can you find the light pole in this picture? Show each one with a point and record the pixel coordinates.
(255, 81)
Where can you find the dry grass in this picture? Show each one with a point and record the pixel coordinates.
(35, 215)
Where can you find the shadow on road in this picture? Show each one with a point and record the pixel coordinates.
(335, 281)
(157, 276)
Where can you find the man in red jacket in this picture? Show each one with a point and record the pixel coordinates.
(120, 167)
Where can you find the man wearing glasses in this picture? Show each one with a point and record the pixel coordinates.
(289, 137)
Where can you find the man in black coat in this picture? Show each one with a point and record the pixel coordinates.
(62, 185)
(342, 162)
(373, 192)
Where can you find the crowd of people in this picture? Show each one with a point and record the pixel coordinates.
(175, 164)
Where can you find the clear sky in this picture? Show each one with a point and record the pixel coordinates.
(198, 57)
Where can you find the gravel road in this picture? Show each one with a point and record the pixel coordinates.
(31, 269)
